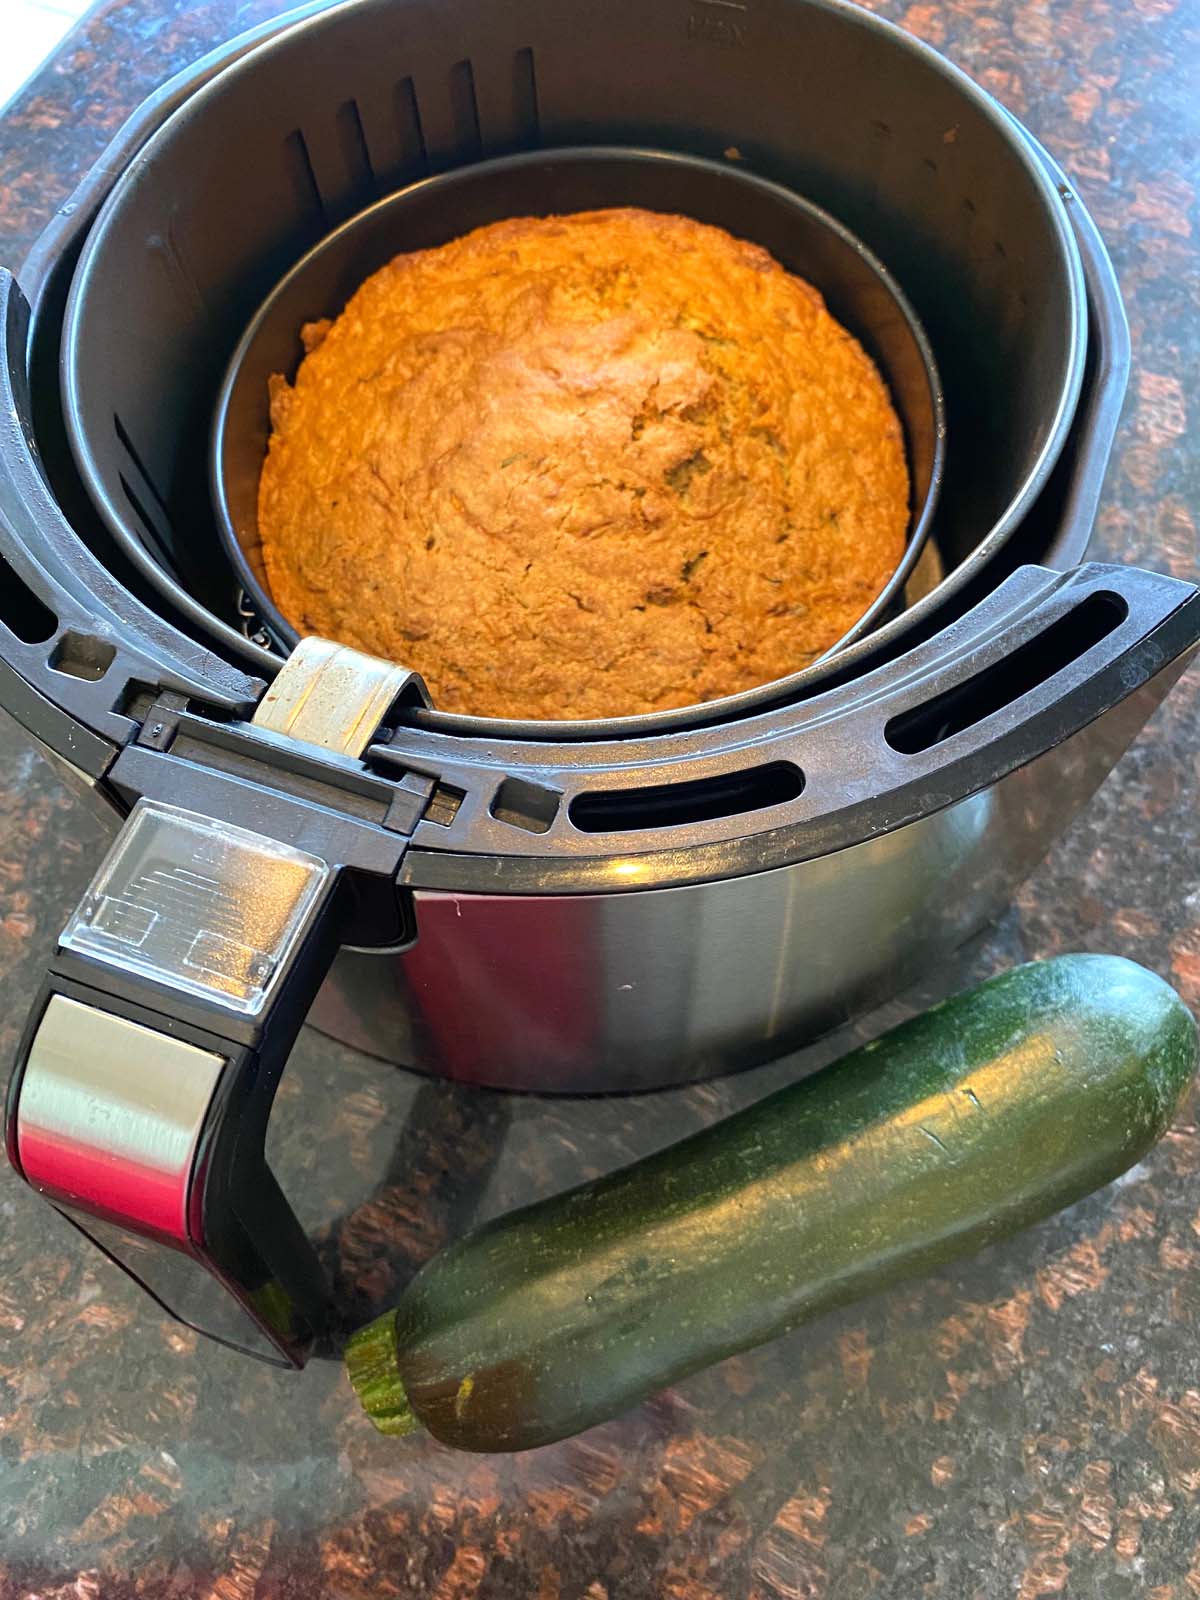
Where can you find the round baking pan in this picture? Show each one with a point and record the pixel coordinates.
(857, 288)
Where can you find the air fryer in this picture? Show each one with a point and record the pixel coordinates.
(566, 907)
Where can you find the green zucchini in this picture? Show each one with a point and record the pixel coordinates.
(990, 1111)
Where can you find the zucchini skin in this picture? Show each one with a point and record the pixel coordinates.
(959, 1127)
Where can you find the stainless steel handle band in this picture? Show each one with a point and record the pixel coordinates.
(111, 1113)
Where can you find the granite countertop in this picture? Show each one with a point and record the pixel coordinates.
(1025, 1424)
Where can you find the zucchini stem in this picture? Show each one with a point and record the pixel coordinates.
(371, 1365)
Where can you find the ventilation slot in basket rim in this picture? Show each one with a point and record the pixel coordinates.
(82, 655)
(673, 805)
(1006, 681)
(529, 806)
(25, 616)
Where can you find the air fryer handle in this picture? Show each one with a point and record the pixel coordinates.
(144, 1083)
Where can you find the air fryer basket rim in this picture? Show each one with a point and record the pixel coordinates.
(884, 639)
(924, 505)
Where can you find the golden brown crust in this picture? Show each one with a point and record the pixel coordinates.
(583, 466)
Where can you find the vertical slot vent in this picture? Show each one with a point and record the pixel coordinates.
(21, 612)
(128, 446)
(148, 503)
(303, 179)
(167, 248)
(464, 108)
(408, 128)
(525, 101)
(156, 541)
(352, 141)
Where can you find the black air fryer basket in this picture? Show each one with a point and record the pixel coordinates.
(557, 906)
(928, 174)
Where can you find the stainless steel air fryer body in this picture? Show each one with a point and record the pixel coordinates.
(563, 907)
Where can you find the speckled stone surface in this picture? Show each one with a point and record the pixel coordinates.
(1027, 1424)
